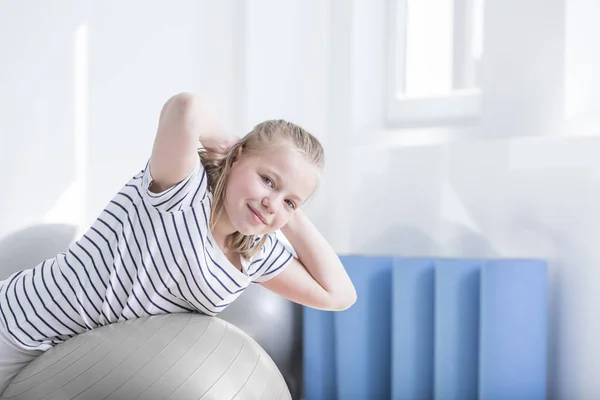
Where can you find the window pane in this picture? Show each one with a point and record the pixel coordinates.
(443, 46)
(476, 43)
(477, 30)
(429, 47)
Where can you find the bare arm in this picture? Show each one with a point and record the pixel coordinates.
(185, 122)
(317, 277)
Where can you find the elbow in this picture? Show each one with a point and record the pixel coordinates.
(182, 104)
(183, 99)
(346, 305)
(351, 300)
(344, 302)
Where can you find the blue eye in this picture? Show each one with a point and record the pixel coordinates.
(267, 181)
(291, 204)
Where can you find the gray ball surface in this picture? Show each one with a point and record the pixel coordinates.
(176, 356)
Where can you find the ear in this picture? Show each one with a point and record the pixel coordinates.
(237, 153)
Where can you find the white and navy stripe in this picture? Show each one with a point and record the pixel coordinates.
(146, 254)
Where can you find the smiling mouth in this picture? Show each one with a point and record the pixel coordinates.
(257, 215)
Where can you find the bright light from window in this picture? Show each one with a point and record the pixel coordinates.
(70, 207)
(443, 45)
(429, 47)
(477, 36)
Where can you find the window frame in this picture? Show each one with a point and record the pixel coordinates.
(458, 106)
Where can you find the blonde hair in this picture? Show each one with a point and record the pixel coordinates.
(266, 134)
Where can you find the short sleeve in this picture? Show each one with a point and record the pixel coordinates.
(270, 260)
(184, 194)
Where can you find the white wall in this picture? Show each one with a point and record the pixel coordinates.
(523, 181)
(135, 61)
(529, 189)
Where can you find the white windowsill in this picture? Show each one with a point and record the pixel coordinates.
(458, 106)
(388, 139)
(394, 138)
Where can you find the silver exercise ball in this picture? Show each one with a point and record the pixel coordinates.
(276, 324)
(175, 356)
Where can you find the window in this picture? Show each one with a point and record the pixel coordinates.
(434, 60)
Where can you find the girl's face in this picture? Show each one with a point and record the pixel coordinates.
(265, 189)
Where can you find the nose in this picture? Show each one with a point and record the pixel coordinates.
(270, 205)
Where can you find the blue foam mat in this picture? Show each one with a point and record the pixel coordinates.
(457, 329)
(412, 349)
(513, 354)
(363, 333)
(429, 328)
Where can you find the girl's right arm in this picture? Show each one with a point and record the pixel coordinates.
(185, 120)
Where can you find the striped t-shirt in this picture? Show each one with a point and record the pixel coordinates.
(146, 254)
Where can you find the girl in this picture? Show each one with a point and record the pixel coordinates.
(186, 234)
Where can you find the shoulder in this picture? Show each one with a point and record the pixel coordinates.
(272, 257)
(189, 191)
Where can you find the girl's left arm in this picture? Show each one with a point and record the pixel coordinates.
(316, 278)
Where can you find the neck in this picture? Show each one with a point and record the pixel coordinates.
(223, 228)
